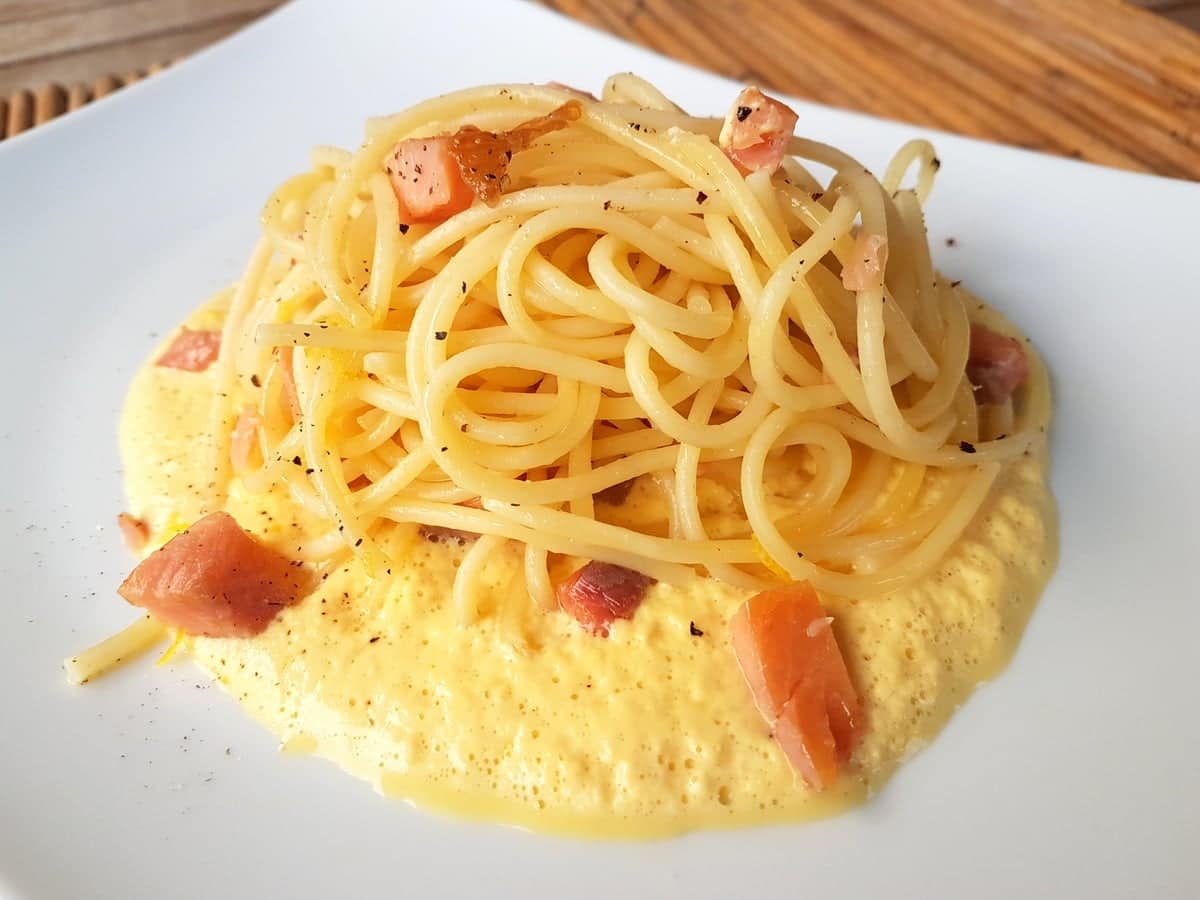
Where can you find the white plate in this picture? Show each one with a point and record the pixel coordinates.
(1075, 774)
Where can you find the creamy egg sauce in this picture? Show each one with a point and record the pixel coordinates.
(524, 717)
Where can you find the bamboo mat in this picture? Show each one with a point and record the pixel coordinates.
(22, 110)
(1099, 80)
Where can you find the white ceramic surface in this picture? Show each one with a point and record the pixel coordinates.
(1074, 775)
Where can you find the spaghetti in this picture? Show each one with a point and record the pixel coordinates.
(630, 307)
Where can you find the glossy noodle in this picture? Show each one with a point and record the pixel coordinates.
(632, 306)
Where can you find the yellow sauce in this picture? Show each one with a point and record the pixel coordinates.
(650, 732)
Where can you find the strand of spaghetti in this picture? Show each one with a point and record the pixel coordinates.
(571, 298)
(913, 268)
(630, 198)
(680, 230)
(614, 225)
(579, 463)
(900, 335)
(318, 334)
(900, 499)
(464, 596)
(371, 499)
(435, 315)
(718, 360)
(385, 250)
(882, 401)
(542, 359)
(326, 467)
(537, 578)
(857, 548)
(771, 302)
(628, 87)
(481, 522)
(864, 432)
(672, 393)
(858, 500)
(643, 383)
(686, 499)
(126, 644)
(784, 556)
(957, 342)
(221, 420)
(920, 152)
(602, 534)
(514, 432)
(377, 426)
(514, 458)
(762, 188)
(630, 442)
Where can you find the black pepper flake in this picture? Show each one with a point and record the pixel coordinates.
(696, 632)
(936, 163)
(444, 449)
(701, 196)
(607, 204)
(296, 461)
(403, 228)
(966, 446)
(256, 381)
(955, 283)
(358, 543)
(743, 113)
(439, 335)
(373, 640)
(799, 554)
(818, 195)
(950, 242)
(309, 471)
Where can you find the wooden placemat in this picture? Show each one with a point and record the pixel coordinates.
(22, 110)
(1100, 80)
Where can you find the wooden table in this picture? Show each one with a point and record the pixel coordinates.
(1100, 80)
